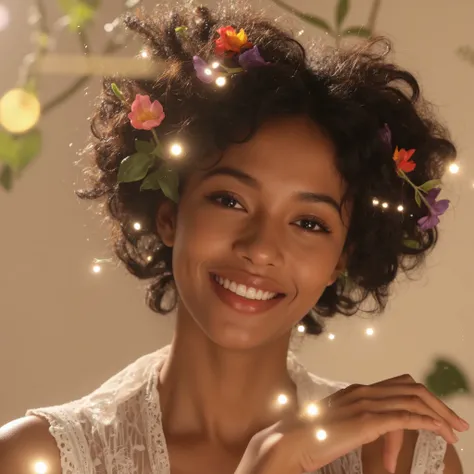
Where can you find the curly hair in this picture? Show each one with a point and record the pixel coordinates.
(349, 93)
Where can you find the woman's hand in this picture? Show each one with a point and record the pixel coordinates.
(352, 417)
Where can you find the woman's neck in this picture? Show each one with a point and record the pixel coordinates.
(223, 396)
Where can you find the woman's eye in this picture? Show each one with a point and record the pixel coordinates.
(312, 225)
(226, 200)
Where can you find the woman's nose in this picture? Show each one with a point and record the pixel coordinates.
(260, 243)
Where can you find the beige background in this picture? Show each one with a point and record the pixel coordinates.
(64, 329)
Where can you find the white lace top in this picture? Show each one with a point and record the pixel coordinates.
(117, 429)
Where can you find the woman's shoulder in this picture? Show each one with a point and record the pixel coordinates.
(26, 441)
(80, 433)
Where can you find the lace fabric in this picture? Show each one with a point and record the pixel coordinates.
(117, 429)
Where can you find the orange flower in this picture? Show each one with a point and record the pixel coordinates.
(402, 159)
(230, 40)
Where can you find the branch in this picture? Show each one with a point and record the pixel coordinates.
(111, 47)
(75, 86)
(374, 11)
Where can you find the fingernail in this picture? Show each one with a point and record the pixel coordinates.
(464, 423)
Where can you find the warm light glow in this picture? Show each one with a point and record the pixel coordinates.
(4, 17)
(369, 331)
(301, 328)
(454, 168)
(96, 268)
(400, 208)
(208, 72)
(144, 54)
(282, 399)
(41, 467)
(19, 111)
(176, 149)
(150, 258)
(385, 205)
(375, 202)
(331, 336)
(312, 410)
(321, 435)
(221, 81)
(215, 65)
(109, 27)
(137, 226)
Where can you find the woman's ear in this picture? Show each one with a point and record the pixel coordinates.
(339, 270)
(166, 218)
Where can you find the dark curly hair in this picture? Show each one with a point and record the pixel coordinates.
(350, 94)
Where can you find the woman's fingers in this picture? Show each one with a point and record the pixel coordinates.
(393, 442)
(411, 403)
(435, 403)
(403, 385)
(321, 443)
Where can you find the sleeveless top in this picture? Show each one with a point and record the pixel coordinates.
(117, 428)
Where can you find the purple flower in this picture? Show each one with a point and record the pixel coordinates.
(436, 209)
(386, 135)
(252, 58)
(203, 70)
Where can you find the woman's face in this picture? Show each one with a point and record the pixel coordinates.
(259, 236)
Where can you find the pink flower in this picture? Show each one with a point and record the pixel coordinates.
(146, 115)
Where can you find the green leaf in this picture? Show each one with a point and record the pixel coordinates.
(144, 147)
(134, 167)
(117, 92)
(80, 12)
(446, 379)
(19, 151)
(169, 182)
(311, 19)
(342, 10)
(412, 244)
(361, 31)
(418, 198)
(159, 151)
(29, 147)
(6, 178)
(429, 185)
(152, 181)
(8, 148)
(181, 30)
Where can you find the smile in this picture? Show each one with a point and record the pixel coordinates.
(247, 292)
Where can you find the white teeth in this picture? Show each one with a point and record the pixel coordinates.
(244, 291)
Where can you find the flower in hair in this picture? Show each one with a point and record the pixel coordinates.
(149, 164)
(252, 58)
(146, 115)
(203, 70)
(230, 41)
(436, 209)
(402, 159)
(426, 193)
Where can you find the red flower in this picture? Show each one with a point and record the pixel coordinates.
(230, 40)
(402, 159)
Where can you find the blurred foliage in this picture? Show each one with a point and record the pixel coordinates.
(18, 150)
(447, 379)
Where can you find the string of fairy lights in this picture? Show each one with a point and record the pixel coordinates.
(20, 111)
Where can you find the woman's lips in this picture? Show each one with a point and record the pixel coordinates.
(242, 304)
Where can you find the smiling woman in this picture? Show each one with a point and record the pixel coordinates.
(245, 184)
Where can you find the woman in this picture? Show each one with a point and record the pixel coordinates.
(259, 190)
